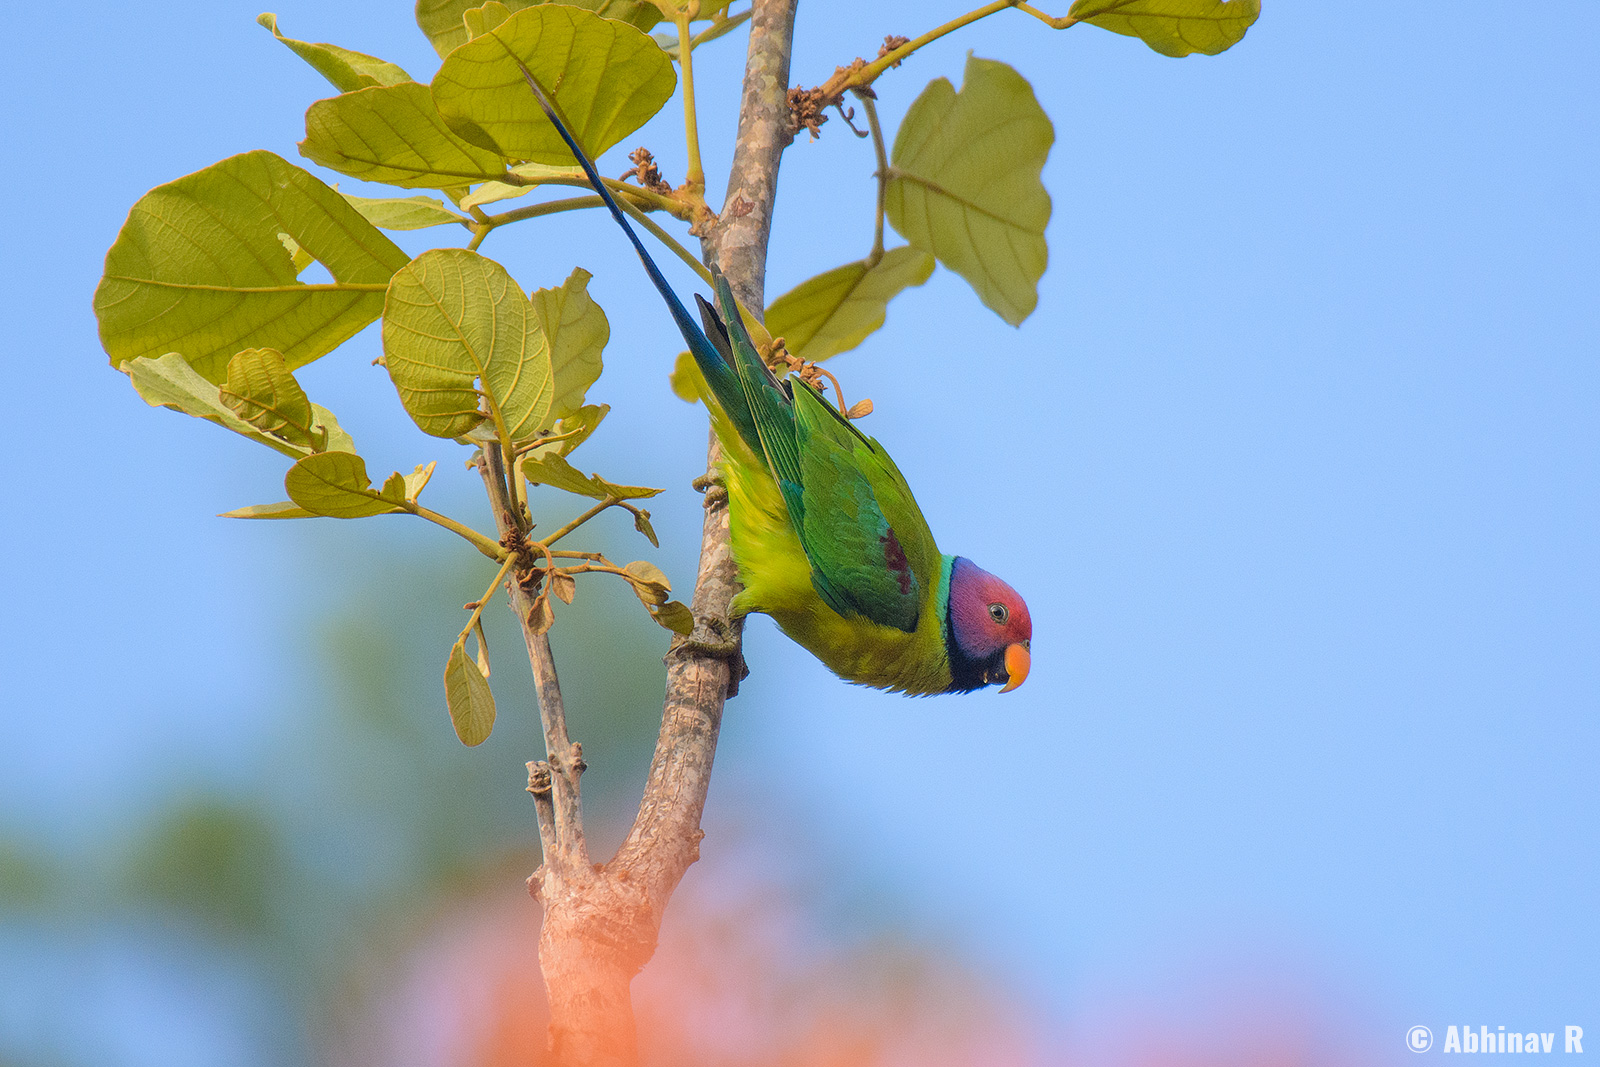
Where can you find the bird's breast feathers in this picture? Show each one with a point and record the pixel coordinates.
(776, 574)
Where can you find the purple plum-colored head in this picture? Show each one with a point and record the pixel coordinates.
(988, 630)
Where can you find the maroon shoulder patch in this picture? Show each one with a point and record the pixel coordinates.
(895, 557)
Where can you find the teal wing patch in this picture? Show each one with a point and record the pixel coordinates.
(858, 562)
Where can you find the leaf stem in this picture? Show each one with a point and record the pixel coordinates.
(721, 24)
(1054, 23)
(882, 174)
(667, 239)
(578, 202)
(695, 178)
(549, 439)
(493, 549)
(580, 520)
(488, 595)
(549, 207)
(519, 488)
(869, 73)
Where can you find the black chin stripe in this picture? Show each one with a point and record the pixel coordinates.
(966, 673)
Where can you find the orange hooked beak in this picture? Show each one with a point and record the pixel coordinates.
(1017, 662)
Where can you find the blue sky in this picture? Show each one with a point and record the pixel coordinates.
(1296, 465)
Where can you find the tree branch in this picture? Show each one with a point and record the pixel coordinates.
(563, 757)
(665, 837)
(601, 923)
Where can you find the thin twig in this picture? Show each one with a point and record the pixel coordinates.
(695, 177)
(882, 174)
(1054, 23)
(581, 519)
(570, 861)
(483, 544)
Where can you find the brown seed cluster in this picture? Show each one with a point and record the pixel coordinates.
(645, 169)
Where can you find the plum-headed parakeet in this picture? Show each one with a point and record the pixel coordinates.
(826, 535)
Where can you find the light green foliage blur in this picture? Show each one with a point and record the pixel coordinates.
(315, 866)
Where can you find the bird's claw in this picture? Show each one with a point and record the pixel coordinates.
(714, 488)
(723, 645)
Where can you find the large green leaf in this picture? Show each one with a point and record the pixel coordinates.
(393, 134)
(199, 268)
(347, 70)
(455, 318)
(405, 213)
(1173, 27)
(964, 183)
(468, 696)
(840, 308)
(335, 484)
(606, 77)
(442, 20)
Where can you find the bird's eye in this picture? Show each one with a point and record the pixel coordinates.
(998, 613)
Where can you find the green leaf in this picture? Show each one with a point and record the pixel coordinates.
(347, 70)
(649, 583)
(688, 384)
(641, 522)
(261, 391)
(418, 480)
(1173, 27)
(468, 696)
(335, 484)
(576, 331)
(674, 616)
(170, 382)
(338, 440)
(297, 255)
(606, 77)
(580, 425)
(534, 175)
(393, 134)
(443, 21)
(394, 488)
(286, 509)
(405, 213)
(964, 183)
(198, 268)
(480, 20)
(557, 473)
(453, 318)
(837, 310)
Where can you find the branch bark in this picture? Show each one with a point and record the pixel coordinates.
(601, 922)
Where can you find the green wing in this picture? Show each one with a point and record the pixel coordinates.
(870, 548)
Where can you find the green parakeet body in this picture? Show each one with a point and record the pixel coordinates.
(826, 534)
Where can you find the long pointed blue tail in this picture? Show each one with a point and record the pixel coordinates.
(714, 359)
